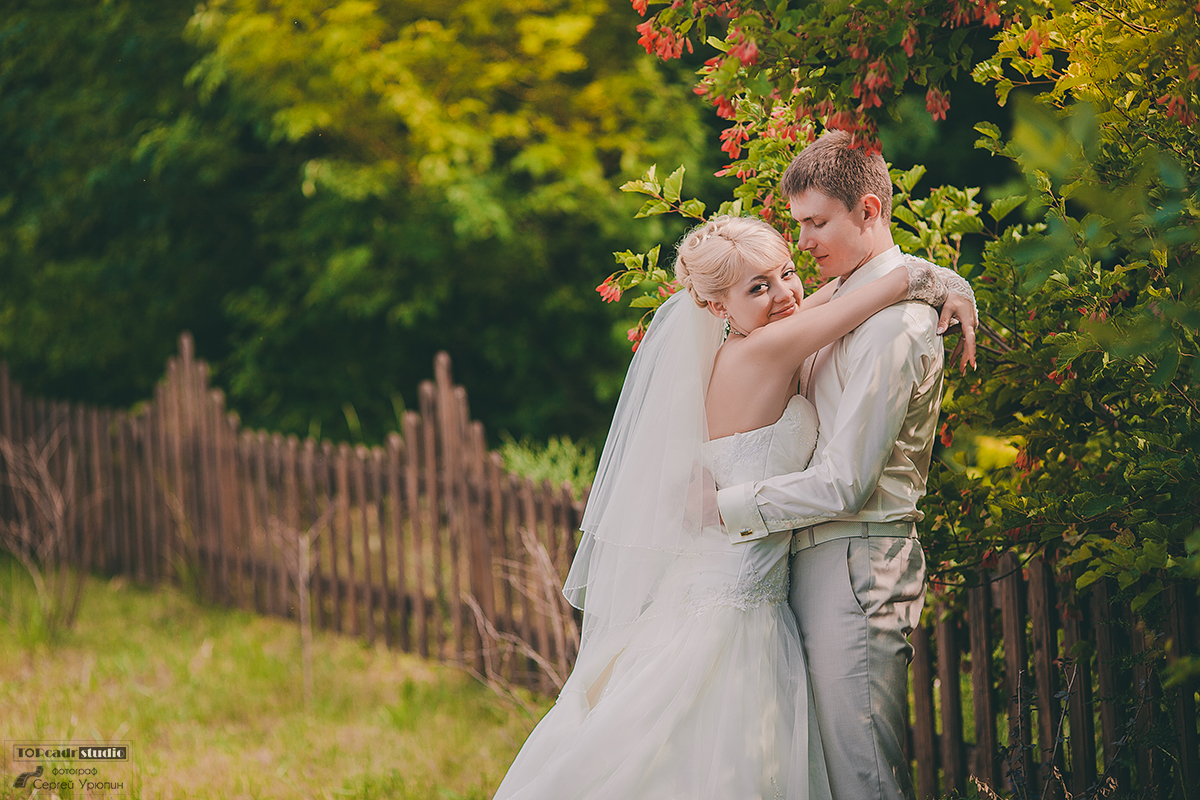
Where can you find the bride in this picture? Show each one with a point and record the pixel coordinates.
(690, 681)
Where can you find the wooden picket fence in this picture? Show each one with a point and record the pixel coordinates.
(428, 545)
(1060, 689)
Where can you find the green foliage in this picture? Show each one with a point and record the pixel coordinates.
(849, 67)
(22, 617)
(326, 194)
(559, 461)
(122, 204)
(477, 99)
(457, 195)
(1095, 310)
(1106, 470)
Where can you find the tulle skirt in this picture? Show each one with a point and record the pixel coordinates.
(705, 700)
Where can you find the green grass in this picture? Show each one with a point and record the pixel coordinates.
(560, 459)
(211, 704)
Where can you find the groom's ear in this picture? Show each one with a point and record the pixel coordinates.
(870, 207)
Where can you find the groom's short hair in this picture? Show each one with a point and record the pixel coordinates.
(835, 169)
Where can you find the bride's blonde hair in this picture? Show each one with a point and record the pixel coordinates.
(710, 257)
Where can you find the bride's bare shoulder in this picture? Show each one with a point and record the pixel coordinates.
(745, 391)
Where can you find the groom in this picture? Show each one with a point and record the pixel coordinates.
(858, 581)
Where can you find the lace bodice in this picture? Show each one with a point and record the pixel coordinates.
(745, 576)
(776, 449)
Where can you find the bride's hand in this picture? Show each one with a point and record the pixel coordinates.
(945, 288)
(959, 313)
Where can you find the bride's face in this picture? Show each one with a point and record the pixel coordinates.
(761, 296)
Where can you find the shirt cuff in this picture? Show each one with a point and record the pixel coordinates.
(739, 512)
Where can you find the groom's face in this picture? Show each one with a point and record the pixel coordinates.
(839, 238)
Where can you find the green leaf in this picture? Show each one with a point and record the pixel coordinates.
(905, 239)
(1071, 81)
(1088, 578)
(1099, 505)
(673, 186)
(907, 179)
(653, 207)
(957, 38)
(651, 175)
(731, 207)
(988, 129)
(646, 301)
(1004, 206)
(1144, 597)
(906, 215)
(629, 259)
(1003, 87)
(1042, 181)
(1164, 373)
(638, 187)
(963, 223)
(647, 184)
(692, 208)
(630, 279)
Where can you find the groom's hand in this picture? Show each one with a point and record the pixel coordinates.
(704, 492)
(712, 514)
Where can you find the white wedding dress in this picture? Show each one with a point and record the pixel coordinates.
(708, 698)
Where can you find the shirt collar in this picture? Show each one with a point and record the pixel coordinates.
(877, 267)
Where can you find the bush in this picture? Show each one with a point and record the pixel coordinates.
(559, 460)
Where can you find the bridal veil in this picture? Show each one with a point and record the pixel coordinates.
(651, 493)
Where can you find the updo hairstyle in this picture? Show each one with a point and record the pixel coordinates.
(711, 257)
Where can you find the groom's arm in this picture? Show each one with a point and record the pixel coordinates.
(890, 360)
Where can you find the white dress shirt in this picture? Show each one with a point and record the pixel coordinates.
(877, 390)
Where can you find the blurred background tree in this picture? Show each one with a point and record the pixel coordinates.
(326, 195)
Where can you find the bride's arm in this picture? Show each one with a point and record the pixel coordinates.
(821, 296)
(789, 341)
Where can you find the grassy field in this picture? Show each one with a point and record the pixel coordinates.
(211, 705)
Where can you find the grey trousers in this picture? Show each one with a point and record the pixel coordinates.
(856, 601)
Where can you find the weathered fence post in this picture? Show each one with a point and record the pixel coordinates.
(397, 513)
(983, 694)
(924, 732)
